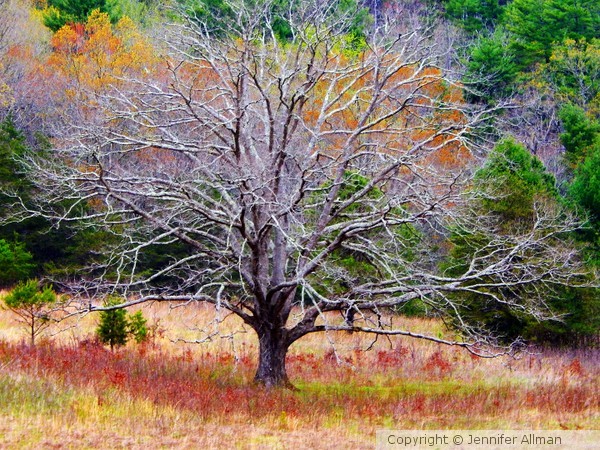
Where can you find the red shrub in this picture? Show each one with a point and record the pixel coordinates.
(392, 358)
(574, 368)
(438, 364)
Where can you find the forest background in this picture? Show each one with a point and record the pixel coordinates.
(533, 66)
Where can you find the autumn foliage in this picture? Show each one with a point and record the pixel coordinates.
(96, 55)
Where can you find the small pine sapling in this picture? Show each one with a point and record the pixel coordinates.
(113, 328)
(138, 327)
(32, 305)
(116, 327)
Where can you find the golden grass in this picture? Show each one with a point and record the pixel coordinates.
(173, 394)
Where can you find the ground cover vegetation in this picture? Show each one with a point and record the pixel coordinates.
(316, 171)
(72, 391)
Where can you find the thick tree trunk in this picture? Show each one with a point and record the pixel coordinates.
(271, 360)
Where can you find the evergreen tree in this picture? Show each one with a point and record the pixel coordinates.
(113, 326)
(585, 188)
(537, 24)
(138, 327)
(220, 17)
(491, 68)
(580, 133)
(515, 179)
(12, 146)
(49, 247)
(61, 12)
(15, 263)
(116, 327)
(32, 306)
(510, 184)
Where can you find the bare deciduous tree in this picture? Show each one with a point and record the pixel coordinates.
(302, 176)
(5, 24)
(22, 40)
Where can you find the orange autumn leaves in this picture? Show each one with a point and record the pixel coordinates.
(399, 108)
(394, 108)
(96, 55)
(89, 60)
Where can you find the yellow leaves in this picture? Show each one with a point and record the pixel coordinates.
(572, 73)
(6, 98)
(98, 23)
(88, 169)
(67, 40)
(97, 54)
(139, 53)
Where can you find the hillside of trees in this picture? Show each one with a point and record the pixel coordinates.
(309, 165)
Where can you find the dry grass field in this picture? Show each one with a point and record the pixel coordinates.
(70, 392)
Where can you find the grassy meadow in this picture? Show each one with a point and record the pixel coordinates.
(70, 392)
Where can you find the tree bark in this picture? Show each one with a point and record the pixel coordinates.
(273, 349)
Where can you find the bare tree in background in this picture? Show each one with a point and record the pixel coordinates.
(302, 175)
(5, 28)
(23, 39)
(5, 24)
